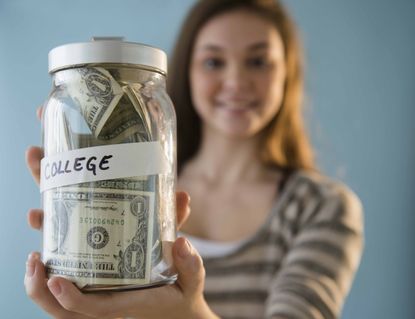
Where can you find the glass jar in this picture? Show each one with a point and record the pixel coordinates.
(109, 169)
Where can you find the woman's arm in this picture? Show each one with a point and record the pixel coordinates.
(317, 272)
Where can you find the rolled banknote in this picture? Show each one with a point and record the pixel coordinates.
(95, 92)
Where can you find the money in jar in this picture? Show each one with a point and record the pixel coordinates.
(109, 169)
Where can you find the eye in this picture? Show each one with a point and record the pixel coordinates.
(258, 62)
(213, 63)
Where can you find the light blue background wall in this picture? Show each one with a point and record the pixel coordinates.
(361, 98)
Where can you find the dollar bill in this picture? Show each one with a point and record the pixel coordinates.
(124, 126)
(94, 91)
(148, 184)
(139, 105)
(101, 237)
(124, 123)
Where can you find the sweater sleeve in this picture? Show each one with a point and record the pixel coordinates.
(324, 233)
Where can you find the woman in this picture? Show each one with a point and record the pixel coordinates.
(278, 240)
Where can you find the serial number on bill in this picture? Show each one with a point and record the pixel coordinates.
(101, 221)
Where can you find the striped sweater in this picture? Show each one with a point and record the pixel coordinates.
(300, 263)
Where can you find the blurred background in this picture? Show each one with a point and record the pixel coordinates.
(360, 112)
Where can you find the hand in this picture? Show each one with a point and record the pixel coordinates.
(184, 299)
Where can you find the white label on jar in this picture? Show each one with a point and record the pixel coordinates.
(102, 163)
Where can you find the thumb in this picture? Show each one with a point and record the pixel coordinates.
(189, 265)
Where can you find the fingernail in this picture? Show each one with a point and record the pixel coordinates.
(185, 250)
(33, 256)
(31, 263)
(30, 268)
(54, 287)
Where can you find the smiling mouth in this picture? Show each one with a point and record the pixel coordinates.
(237, 106)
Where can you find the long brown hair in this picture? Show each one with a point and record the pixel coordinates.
(286, 144)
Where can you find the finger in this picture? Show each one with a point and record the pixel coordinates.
(35, 218)
(39, 112)
(33, 156)
(183, 208)
(146, 302)
(189, 265)
(37, 290)
(117, 304)
(73, 300)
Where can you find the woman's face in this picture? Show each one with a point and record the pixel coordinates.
(237, 73)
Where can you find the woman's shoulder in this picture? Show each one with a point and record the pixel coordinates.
(321, 185)
(329, 194)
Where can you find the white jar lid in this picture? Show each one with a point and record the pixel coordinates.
(106, 50)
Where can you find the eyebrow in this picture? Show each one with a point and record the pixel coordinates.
(253, 47)
(258, 46)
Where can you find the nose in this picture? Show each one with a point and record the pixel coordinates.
(236, 78)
